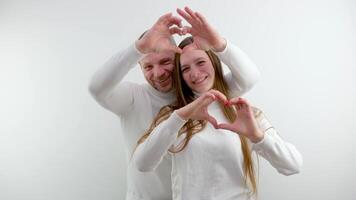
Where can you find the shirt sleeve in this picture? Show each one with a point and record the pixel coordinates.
(243, 73)
(283, 156)
(149, 154)
(106, 84)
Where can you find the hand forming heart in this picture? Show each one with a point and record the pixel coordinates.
(198, 109)
(157, 39)
(244, 124)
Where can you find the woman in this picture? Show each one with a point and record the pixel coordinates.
(210, 137)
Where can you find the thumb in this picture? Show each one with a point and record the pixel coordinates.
(226, 126)
(207, 99)
(175, 30)
(212, 121)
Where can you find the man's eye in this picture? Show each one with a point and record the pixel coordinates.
(148, 67)
(167, 62)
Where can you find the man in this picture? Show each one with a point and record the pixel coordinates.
(137, 104)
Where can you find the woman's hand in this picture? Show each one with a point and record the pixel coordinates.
(205, 36)
(198, 109)
(245, 122)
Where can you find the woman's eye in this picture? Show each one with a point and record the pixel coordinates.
(185, 69)
(201, 62)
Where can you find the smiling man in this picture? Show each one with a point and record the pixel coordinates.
(157, 69)
(136, 104)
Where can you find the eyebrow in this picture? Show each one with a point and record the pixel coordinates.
(143, 64)
(163, 60)
(199, 58)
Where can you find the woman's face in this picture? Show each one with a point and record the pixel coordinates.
(197, 69)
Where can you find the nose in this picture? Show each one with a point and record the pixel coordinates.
(194, 73)
(158, 71)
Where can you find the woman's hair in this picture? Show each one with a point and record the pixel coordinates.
(185, 96)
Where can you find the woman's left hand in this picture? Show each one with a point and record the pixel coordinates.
(198, 109)
(245, 122)
(205, 36)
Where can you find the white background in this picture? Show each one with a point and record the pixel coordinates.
(57, 143)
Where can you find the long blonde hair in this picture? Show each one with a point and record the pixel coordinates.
(185, 96)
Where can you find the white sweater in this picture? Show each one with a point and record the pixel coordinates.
(137, 105)
(211, 165)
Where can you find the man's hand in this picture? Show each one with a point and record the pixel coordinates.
(157, 38)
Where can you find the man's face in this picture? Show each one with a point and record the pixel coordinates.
(157, 69)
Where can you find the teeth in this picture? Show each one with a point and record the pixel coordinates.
(163, 80)
(199, 81)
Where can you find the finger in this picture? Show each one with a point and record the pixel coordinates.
(192, 14)
(201, 18)
(243, 100)
(238, 100)
(220, 96)
(212, 121)
(185, 15)
(234, 100)
(186, 29)
(173, 20)
(207, 99)
(244, 104)
(237, 106)
(241, 105)
(164, 18)
(175, 30)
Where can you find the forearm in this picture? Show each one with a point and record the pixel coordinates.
(114, 70)
(149, 154)
(280, 154)
(244, 73)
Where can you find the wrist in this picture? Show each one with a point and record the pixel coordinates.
(220, 46)
(257, 137)
(140, 47)
(182, 113)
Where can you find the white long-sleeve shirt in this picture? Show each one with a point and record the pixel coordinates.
(211, 165)
(137, 105)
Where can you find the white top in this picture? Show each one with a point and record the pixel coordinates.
(211, 165)
(138, 104)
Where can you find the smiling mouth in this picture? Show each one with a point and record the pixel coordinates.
(200, 80)
(164, 80)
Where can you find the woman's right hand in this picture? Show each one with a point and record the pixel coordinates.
(205, 35)
(198, 109)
